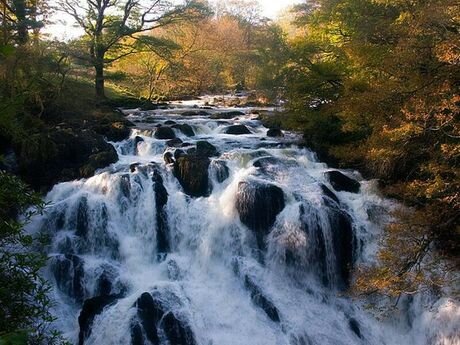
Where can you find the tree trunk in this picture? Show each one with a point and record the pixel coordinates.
(99, 81)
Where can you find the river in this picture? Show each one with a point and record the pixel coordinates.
(222, 238)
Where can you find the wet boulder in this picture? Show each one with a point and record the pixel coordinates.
(195, 113)
(267, 165)
(185, 128)
(275, 132)
(258, 206)
(192, 173)
(227, 115)
(176, 142)
(68, 271)
(170, 122)
(203, 148)
(91, 308)
(343, 243)
(237, 130)
(164, 133)
(168, 158)
(259, 299)
(176, 331)
(149, 312)
(156, 319)
(179, 153)
(329, 194)
(354, 326)
(161, 199)
(341, 182)
(220, 170)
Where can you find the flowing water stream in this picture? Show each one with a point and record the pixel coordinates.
(221, 239)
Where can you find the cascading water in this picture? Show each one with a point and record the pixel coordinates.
(236, 239)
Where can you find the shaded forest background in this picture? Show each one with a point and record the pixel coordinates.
(372, 84)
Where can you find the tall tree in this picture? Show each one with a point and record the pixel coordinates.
(107, 23)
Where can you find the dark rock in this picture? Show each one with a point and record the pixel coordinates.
(203, 148)
(179, 153)
(97, 161)
(275, 132)
(343, 237)
(161, 199)
(186, 144)
(104, 285)
(115, 131)
(62, 155)
(91, 308)
(170, 122)
(176, 331)
(81, 228)
(164, 133)
(237, 130)
(69, 274)
(168, 158)
(137, 338)
(176, 142)
(341, 182)
(267, 165)
(192, 173)
(158, 125)
(258, 205)
(330, 194)
(156, 319)
(186, 129)
(125, 186)
(220, 170)
(227, 115)
(149, 312)
(195, 113)
(132, 167)
(260, 300)
(354, 326)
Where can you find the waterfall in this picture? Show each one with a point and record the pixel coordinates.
(202, 235)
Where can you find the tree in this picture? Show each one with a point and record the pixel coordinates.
(374, 84)
(19, 17)
(25, 313)
(107, 23)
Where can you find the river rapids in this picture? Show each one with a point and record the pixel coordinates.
(209, 232)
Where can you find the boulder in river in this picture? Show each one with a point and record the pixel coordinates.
(227, 115)
(237, 130)
(157, 320)
(161, 199)
(195, 113)
(164, 133)
(204, 148)
(220, 170)
(176, 142)
(69, 274)
(275, 132)
(168, 158)
(259, 299)
(258, 205)
(341, 182)
(192, 173)
(91, 308)
(185, 128)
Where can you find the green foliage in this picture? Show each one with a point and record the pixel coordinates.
(23, 291)
(375, 83)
